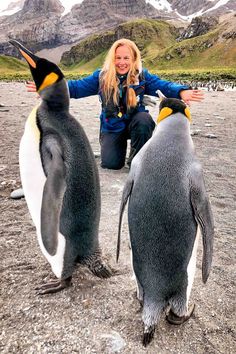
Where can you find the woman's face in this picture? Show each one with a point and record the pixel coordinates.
(123, 60)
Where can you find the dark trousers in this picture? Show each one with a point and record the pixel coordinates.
(114, 145)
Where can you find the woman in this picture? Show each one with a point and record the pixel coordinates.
(121, 85)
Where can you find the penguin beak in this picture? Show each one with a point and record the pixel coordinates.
(161, 95)
(29, 57)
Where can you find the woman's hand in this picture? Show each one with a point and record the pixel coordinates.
(31, 87)
(191, 95)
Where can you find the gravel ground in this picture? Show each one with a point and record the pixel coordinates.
(102, 316)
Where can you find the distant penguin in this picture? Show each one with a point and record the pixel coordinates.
(167, 205)
(60, 179)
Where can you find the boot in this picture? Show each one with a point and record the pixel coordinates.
(132, 153)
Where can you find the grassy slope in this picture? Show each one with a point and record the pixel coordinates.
(201, 52)
(11, 64)
(12, 68)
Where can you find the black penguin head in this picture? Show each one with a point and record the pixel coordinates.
(44, 72)
(170, 106)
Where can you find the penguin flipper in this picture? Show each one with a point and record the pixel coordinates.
(203, 215)
(52, 199)
(125, 196)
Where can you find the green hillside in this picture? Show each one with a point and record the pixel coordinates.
(151, 36)
(210, 56)
(12, 68)
(205, 51)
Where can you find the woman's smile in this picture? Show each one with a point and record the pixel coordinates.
(123, 60)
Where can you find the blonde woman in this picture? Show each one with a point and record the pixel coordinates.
(121, 85)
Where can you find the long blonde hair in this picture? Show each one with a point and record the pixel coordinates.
(109, 78)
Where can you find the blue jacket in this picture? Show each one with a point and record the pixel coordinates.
(148, 85)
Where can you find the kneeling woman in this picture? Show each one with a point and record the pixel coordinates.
(121, 85)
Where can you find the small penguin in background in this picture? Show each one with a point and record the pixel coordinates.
(168, 206)
(60, 179)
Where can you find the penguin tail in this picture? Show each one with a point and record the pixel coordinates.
(148, 335)
(125, 196)
(151, 315)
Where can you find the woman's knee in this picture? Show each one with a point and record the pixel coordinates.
(143, 122)
(112, 164)
(113, 151)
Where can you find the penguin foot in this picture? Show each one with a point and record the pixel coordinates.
(177, 320)
(148, 335)
(101, 270)
(53, 287)
(97, 267)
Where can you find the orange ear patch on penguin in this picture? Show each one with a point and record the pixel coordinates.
(49, 80)
(188, 113)
(165, 112)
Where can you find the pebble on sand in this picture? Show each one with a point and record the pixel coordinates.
(211, 136)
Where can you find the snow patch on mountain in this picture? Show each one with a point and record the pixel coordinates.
(160, 4)
(9, 7)
(68, 4)
(10, 12)
(202, 12)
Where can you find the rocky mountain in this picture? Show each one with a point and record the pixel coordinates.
(87, 17)
(35, 25)
(204, 43)
(190, 9)
(41, 24)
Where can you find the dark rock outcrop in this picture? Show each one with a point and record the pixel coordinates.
(187, 8)
(36, 26)
(198, 27)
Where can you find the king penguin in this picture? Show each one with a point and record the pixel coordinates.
(60, 178)
(167, 210)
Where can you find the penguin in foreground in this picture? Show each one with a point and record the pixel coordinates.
(168, 207)
(60, 179)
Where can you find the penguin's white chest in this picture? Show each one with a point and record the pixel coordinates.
(33, 180)
(31, 170)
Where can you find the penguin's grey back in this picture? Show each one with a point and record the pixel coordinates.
(161, 220)
(81, 201)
